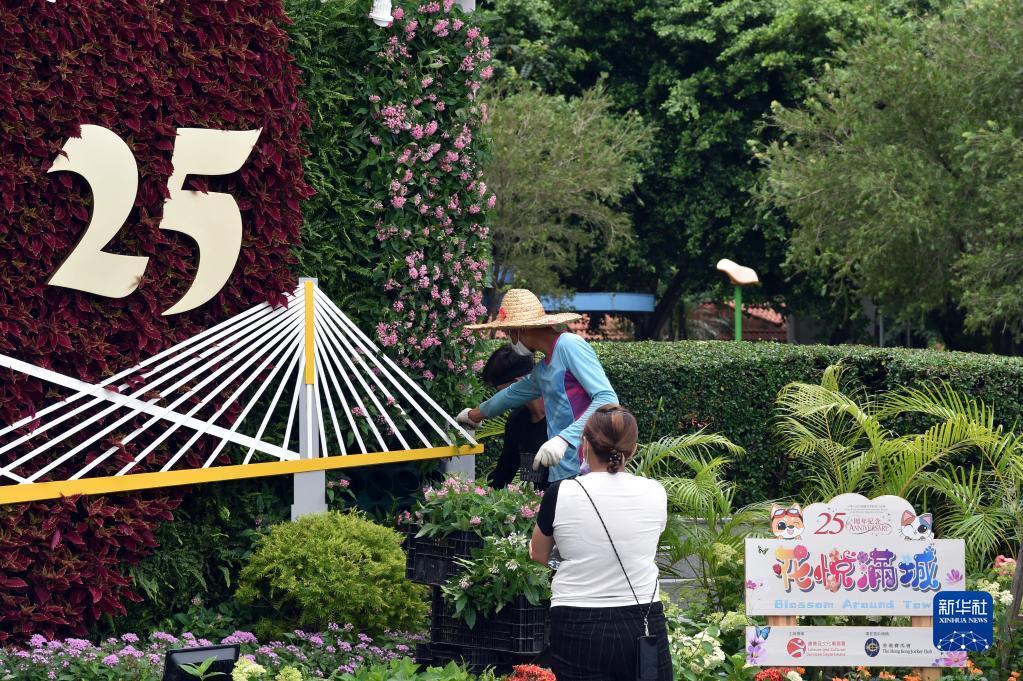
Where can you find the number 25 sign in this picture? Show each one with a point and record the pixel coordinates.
(213, 219)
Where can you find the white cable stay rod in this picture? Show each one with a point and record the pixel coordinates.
(293, 407)
(238, 350)
(334, 349)
(49, 376)
(401, 374)
(334, 342)
(110, 427)
(253, 353)
(284, 382)
(235, 347)
(254, 400)
(256, 316)
(332, 311)
(275, 354)
(335, 339)
(218, 329)
(135, 393)
(327, 369)
(333, 414)
(337, 335)
(373, 352)
(324, 345)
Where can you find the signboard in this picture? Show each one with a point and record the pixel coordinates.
(963, 620)
(846, 647)
(852, 556)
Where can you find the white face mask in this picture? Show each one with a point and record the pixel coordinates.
(520, 348)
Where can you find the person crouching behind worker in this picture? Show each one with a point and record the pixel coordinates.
(525, 431)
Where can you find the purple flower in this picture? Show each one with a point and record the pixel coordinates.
(957, 658)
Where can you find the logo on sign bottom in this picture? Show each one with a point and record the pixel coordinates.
(796, 647)
(872, 647)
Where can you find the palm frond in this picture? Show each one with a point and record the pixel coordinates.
(940, 401)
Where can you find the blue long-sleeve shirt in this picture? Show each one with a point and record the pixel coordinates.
(573, 385)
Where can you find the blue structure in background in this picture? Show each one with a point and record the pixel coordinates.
(601, 302)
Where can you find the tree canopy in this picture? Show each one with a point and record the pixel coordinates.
(705, 74)
(902, 171)
(560, 167)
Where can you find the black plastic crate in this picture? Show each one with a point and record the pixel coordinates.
(537, 478)
(518, 628)
(475, 660)
(431, 560)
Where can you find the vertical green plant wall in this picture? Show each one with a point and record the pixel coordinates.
(398, 230)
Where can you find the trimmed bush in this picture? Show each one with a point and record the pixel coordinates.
(331, 567)
(731, 388)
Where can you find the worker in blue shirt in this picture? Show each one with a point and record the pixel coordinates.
(570, 380)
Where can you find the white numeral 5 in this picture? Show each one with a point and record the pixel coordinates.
(213, 220)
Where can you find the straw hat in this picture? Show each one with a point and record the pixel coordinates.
(520, 309)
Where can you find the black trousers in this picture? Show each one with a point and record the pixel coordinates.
(599, 644)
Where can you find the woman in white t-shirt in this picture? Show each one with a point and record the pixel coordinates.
(599, 599)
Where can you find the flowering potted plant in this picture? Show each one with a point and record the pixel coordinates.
(452, 520)
(501, 575)
(463, 505)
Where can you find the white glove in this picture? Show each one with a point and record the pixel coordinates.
(550, 453)
(464, 420)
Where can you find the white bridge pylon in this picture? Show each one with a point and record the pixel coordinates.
(254, 382)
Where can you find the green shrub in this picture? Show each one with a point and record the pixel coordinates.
(731, 389)
(331, 567)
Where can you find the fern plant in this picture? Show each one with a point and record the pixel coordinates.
(845, 443)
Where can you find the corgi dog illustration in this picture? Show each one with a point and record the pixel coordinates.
(787, 521)
(917, 527)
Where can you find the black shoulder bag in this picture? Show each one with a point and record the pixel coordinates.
(646, 645)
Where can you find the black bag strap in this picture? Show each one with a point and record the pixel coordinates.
(646, 615)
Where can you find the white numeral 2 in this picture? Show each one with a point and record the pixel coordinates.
(213, 220)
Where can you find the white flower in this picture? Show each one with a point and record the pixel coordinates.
(793, 676)
(512, 565)
(733, 621)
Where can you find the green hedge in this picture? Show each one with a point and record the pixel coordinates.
(731, 388)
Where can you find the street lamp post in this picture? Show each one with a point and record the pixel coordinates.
(739, 276)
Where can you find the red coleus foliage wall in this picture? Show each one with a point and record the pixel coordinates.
(142, 69)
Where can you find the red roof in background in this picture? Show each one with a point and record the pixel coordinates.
(611, 328)
(768, 314)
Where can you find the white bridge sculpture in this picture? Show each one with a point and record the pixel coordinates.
(304, 366)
